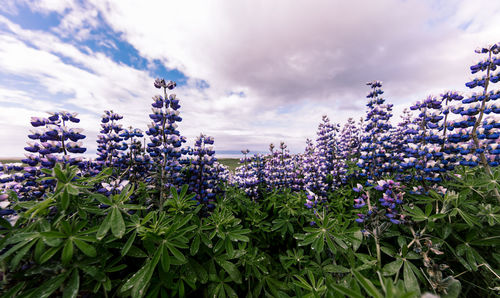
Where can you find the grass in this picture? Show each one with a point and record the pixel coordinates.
(231, 163)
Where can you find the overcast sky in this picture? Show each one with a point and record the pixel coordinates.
(249, 72)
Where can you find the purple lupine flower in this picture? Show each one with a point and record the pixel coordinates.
(165, 147)
(204, 175)
(376, 147)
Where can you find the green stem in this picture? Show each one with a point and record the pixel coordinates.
(62, 139)
(164, 163)
(379, 255)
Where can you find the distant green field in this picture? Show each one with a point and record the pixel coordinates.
(9, 160)
(231, 163)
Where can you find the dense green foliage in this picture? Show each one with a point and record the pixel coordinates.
(78, 243)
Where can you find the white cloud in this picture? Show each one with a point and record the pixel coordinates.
(294, 61)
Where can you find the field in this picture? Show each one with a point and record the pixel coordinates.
(10, 160)
(231, 163)
(370, 208)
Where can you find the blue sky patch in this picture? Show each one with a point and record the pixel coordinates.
(30, 20)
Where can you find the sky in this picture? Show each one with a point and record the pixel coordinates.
(248, 73)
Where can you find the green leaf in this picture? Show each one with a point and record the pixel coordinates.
(173, 191)
(52, 235)
(489, 241)
(470, 220)
(14, 249)
(48, 287)
(72, 189)
(136, 252)
(39, 250)
(103, 199)
(201, 272)
(302, 283)
(195, 245)
(12, 293)
(132, 281)
(229, 247)
(104, 227)
(142, 283)
(437, 216)
(428, 209)
(57, 172)
(86, 248)
(367, 285)
(345, 291)
(117, 223)
(319, 244)
(357, 240)
(218, 291)
(15, 260)
(117, 268)
(18, 237)
(387, 250)
(453, 289)
(229, 291)
(392, 267)
(340, 242)
(5, 223)
(73, 285)
(165, 258)
(336, 269)
(49, 254)
(128, 244)
(231, 269)
(96, 273)
(238, 235)
(67, 253)
(64, 199)
(410, 280)
(66, 228)
(184, 190)
(177, 254)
